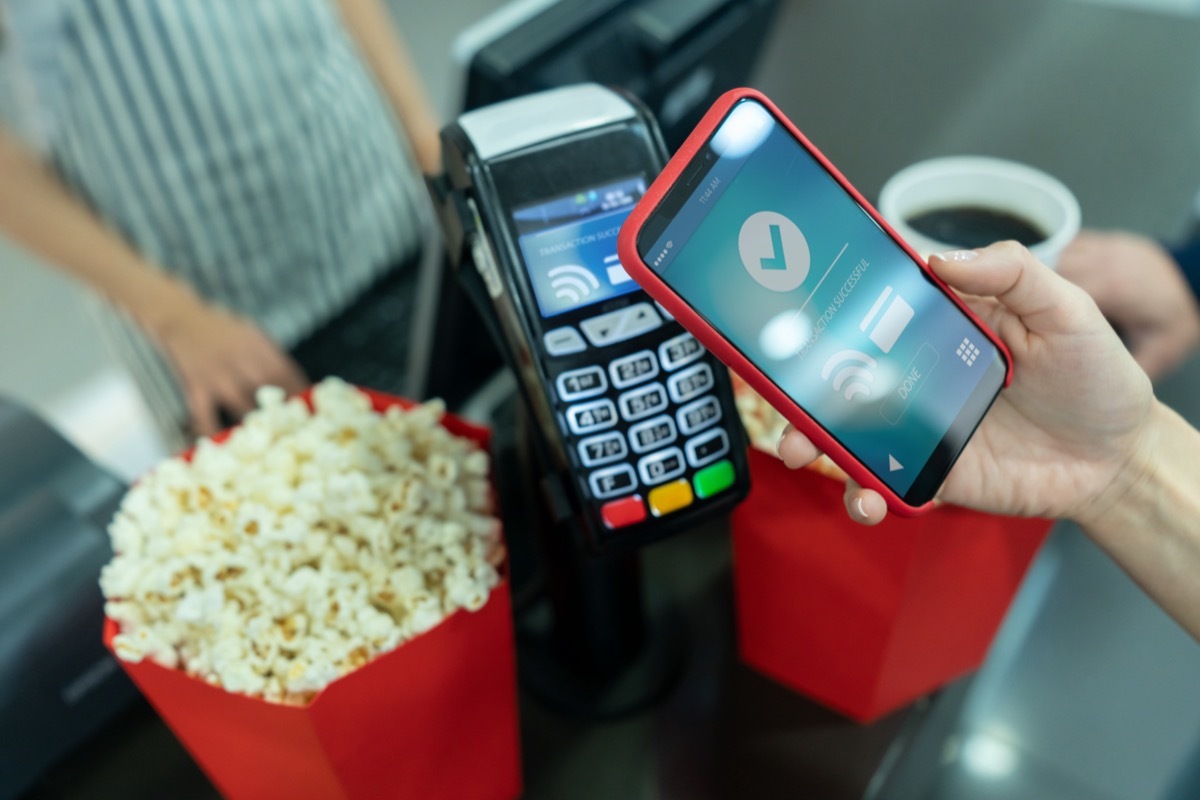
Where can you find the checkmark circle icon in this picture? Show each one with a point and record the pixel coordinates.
(774, 251)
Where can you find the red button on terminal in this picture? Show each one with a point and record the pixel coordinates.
(621, 513)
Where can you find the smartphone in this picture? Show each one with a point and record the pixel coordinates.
(756, 243)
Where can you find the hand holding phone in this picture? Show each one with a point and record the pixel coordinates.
(755, 242)
(1067, 431)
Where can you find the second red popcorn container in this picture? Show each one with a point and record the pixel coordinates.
(866, 620)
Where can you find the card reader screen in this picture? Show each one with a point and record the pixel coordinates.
(569, 245)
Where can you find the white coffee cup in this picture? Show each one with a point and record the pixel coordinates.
(981, 182)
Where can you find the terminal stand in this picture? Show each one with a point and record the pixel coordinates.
(589, 642)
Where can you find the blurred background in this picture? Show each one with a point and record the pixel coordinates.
(846, 66)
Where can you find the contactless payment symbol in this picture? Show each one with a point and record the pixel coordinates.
(774, 251)
(850, 372)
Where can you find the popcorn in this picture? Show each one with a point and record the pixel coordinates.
(304, 545)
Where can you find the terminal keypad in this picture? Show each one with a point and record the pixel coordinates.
(647, 423)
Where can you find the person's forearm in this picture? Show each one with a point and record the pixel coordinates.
(1150, 523)
(1187, 256)
(40, 214)
(372, 28)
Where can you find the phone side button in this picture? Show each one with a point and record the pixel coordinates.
(714, 480)
(624, 512)
(670, 497)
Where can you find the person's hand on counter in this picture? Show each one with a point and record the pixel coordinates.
(220, 359)
(1141, 290)
(1078, 434)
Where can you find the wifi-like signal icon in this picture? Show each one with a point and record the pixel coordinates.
(852, 370)
(572, 283)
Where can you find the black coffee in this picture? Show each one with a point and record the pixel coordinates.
(975, 226)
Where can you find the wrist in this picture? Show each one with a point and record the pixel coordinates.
(1133, 491)
(159, 302)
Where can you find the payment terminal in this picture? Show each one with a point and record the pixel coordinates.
(638, 428)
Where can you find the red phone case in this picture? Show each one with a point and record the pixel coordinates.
(716, 342)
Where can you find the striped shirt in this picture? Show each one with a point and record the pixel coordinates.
(240, 144)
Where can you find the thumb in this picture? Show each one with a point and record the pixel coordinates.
(1007, 271)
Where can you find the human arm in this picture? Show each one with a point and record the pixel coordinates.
(219, 358)
(382, 46)
(1187, 256)
(1140, 286)
(1078, 434)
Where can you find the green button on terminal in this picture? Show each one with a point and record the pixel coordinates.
(714, 479)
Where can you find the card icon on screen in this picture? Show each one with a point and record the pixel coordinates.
(885, 330)
(616, 273)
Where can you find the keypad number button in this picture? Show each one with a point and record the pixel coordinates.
(579, 384)
(679, 351)
(698, 415)
(591, 417)
(602, 449)
(642, 402)
(661, 466)
(652, 434)
(632, 369)
(690, 383)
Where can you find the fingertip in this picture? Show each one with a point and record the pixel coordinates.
(202, 416)
(874, 506)
(955, 256)
(796, 450)
(865, 506)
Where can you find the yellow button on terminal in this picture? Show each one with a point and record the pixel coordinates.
(670, 497)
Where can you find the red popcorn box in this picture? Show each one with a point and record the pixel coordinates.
(866, 620)
(436, 717)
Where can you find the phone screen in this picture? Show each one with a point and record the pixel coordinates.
(769, 248)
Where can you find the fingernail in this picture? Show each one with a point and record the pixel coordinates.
(957, 255)
(858, 508)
